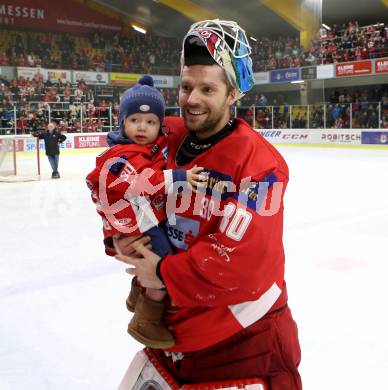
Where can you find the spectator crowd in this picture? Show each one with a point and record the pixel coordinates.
(132, 52)
(348, 42)
(75, 107)
(147, 53)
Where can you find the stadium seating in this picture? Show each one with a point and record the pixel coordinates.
(138, 53)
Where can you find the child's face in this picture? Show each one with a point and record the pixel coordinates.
(142, 128)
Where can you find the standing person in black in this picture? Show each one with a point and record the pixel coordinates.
(51, 138)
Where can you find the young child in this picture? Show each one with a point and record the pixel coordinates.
(128, 187)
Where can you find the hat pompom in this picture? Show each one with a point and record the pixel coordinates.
(146, 80)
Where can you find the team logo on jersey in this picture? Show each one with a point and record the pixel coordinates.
(154, 149)
(222, 250)
(254, 194)
(122, 221)
(117, 166)
(158, 201)
(218, 184)
(183, 233)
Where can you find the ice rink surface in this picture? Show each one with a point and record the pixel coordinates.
(62, 315)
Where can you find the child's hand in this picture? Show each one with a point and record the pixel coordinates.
(124, 244)
(196, 179)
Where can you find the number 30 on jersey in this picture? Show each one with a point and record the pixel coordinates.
(235, 221)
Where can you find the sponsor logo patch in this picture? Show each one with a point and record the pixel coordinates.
(183, 233)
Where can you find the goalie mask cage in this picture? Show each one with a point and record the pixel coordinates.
(19, 158)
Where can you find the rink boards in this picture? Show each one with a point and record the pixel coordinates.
(354, 138)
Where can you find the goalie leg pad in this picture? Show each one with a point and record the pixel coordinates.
(145, 372)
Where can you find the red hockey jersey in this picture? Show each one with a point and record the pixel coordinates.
(128, 187)
(230, 269)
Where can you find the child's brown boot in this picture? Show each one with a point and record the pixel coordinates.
(133, 295)
(147, 326)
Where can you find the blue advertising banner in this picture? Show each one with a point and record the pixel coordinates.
(374, 137)
(285, 75)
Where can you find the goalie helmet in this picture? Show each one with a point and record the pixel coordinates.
(228, 46)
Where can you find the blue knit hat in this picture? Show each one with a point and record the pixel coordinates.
(142, 98)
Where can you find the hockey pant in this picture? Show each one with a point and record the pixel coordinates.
(268, 349)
